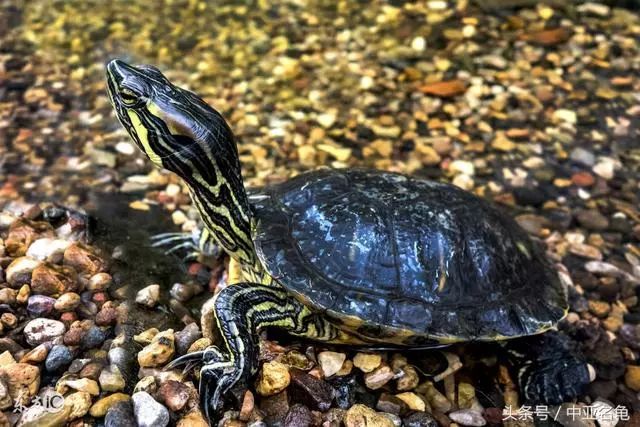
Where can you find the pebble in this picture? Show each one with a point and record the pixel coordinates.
(82, 384)
(41, 330)
(93, 338)
(582, 156)
(592, 220)
(67, 302)
(379, 377)
(413, 401)
(632, 377)
(23, 380)
(59, 357)
(311, 391)
(78, 403)
(40, 305)
(19, 272)
(467, 417)
(391, 404)
(298, 416)
(159, 351)
(362, 416)
(174, 394)
(274, 377)
(111, 379)
(409, 380)
(196, 419)
(148, 296)
(121, 414)
(331, 362)
(99, 282)
(367, 362)
(99, 408)
(148, 412)
(419, 419)
(186, 337)
(47, 249)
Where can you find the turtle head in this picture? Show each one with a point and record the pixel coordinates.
(171, 125)
(178, 131)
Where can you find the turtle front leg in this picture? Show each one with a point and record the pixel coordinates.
(198, 244)
(240, 312)
(548, 369)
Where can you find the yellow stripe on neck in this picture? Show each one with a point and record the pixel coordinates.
(142, 133)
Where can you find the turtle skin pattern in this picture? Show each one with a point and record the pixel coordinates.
(392, 255)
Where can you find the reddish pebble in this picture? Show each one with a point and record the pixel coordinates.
(583, 179)
(68, 317)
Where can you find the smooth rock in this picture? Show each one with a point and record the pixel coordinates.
(367, 362)
(298, 416)
(159, 351)
(111, 379)
(40, 305)
(331, 362)
(78, 404)
(59, 357)
(310, 391)
(379, 377)
(148, 296)
(48, 249)
(273, 378)
(419, 419)
(467, 417)
(413, 401)
(121, 414)
(41, 330)
(99, 409)
(174, 394)
(362, 416)
(148, 412)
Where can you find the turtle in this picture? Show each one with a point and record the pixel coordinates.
(350, 256)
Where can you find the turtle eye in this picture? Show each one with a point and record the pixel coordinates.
(129, 97)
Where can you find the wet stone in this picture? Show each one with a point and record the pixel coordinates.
(59, 357)
(419, 419)
(148, 412)
(309, 390)
(592, 220)
(186, 337)
(345, 390)
(391, 404)
(298, 416)
(40, 305)
(362, 416)
(379, 377)
(174, 394)
(274, 377)
(93, 338)
(468, 417)
(120, 415)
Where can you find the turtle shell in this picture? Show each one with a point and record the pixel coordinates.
(389, 255)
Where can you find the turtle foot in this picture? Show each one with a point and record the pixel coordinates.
(549, 370)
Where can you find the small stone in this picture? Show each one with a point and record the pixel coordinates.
(174, 394)
(409, 380)
(298, 416)
(468, 417)
(311, 391)
(247, 407)
(419, 419)
(40, 305)
(20, 270)
(148, 412)
(274, 377)
(331, 362)
(194, 419)
(592, 220)
(605, 413)
(582, 156)
(275, 408)
(94, 337)
(121, 414)
(566, 418)
(83, 260)
(78, 404)
(67, 302)
(362, 416)
(159, 351)
(568, 116)
(547, 37)
(42, 330)
(186, 337)
(99, 282)
(379, 377)
(47, 249)
(391, 404)
(111, 379)
(444, 89)
(59, 357)
(83, 384)
(327, 119)
(147, 384)
(99, 409)
(604, 170)
(436, 399)
(53, 280)
(23, 380)
(413, 401)
(145, 337)
(632, 377)
(149, 296)
(466, 395)
(367, 362)
(5, 398)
